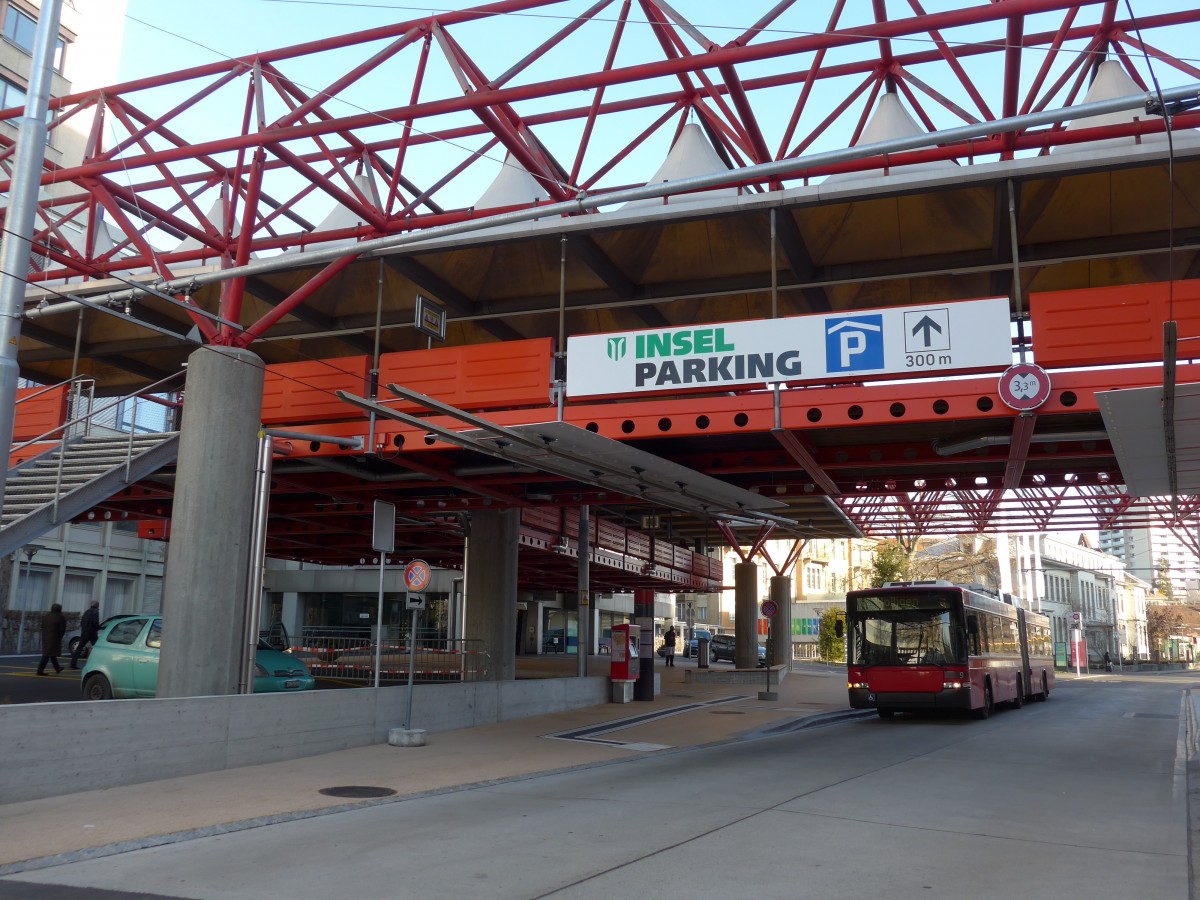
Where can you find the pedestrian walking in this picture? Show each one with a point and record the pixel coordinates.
(669, 643)
(89, 630)
(1107, 662)
(54, 626)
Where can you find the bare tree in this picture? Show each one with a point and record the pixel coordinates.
(965, 559)
(1161, 622)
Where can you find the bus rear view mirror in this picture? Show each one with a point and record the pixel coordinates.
(839, 629)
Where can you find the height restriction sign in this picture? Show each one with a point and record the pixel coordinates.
(1024, 386)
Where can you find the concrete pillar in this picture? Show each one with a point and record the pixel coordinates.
(1005, 566)
(491, 588)
(643, 616)
(204, 593)
(780, 650)
(745, 610)
(1037, 583)
(583, 645)
(292, 615)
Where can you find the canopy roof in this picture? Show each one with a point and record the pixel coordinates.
(559, 242)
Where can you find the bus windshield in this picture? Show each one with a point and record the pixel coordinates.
(904, 632)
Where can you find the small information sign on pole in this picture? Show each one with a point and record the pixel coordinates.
(383, 539)
(430, 318)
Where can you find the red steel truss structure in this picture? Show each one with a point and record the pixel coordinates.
(229, 166)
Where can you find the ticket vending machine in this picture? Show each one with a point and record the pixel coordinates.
(624, 663)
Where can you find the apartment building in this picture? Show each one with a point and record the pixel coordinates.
(1142, 550)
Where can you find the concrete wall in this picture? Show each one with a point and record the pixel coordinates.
(51, 749)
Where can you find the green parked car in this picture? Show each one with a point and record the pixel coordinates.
(124, 663)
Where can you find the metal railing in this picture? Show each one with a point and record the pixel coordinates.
(81, 425)
(348, 655)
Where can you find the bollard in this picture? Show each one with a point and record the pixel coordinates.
(406, 737)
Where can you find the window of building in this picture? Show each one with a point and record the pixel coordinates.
(11, 94)
(118, 595)
(77, 590)
(33, 588)
(814, 579)
(19, 29)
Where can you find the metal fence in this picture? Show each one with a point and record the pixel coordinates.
(348, 655)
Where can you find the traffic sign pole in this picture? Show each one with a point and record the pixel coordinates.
(417, 576)
(769, 609)
(412, 666)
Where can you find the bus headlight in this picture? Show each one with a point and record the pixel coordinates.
(952, 680)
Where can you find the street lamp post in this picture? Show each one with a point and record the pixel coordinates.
(30, 551)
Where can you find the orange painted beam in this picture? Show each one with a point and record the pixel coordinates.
(1113, 325)
(503, 375)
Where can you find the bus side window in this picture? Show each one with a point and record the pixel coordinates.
(973, 647)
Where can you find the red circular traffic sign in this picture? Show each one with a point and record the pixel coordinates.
(417, 575)
(1024, 386)
(769, 608)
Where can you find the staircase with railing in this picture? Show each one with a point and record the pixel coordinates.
(81, 463)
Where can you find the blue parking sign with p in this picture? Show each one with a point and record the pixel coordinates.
(854, 343)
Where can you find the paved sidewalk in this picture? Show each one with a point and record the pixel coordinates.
(683, 715)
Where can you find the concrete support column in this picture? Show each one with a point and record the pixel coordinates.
(745, 610)
(780, 649)
(1004, 565)
(204, 593)
(1037, 582)
(643, 615)
(583, 644)
(491, 587)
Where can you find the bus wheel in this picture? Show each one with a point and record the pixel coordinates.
(885, 713)
(986, 710)
(1019, 700)
(1045, 694)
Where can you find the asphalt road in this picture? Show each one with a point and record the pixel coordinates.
(20, 683)
(1080, 797)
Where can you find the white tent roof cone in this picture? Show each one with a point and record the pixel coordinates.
(889, 122)
(341, 217)
(692, 155)
(1113, 81)
(512, 186)
(216, 215)
(107, 237)
(75, 231)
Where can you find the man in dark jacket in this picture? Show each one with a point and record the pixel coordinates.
(89, 630)
(54, 626)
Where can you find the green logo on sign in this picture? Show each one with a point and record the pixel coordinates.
(616, 348)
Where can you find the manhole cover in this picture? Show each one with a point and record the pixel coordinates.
(357, 791)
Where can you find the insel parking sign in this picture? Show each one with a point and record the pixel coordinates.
(973, 334)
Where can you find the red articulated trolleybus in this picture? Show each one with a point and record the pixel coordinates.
(932, 645)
